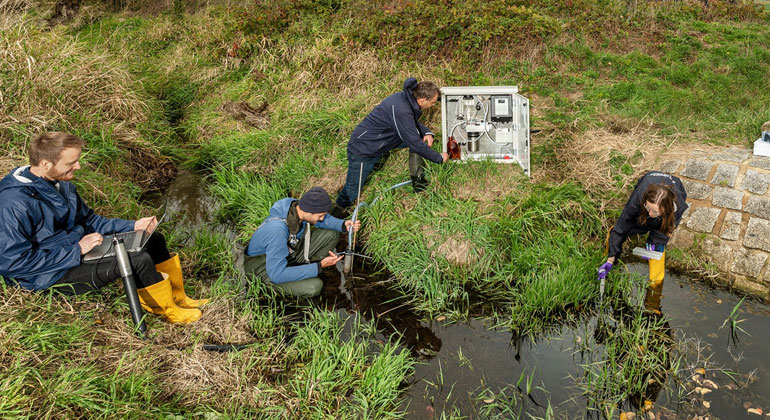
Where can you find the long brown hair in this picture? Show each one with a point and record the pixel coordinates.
(664, 198)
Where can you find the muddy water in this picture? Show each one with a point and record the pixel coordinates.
(461, 365)
(467, 366)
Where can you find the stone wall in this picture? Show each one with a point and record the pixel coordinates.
(729, 214)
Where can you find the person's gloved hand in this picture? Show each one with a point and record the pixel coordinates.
(604, 269)
(649, 247)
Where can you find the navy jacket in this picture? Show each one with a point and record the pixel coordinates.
(272, 237)
(391, 124)
(40, 228)
(628, 223)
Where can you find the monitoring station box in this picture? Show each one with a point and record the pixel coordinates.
(485, 122)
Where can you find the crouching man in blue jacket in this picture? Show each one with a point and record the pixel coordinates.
(287, 252)
(45, 229)
(392, 124)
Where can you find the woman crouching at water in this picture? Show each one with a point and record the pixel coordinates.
(656, 206)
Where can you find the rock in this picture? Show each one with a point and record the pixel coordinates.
(731, 228)
(732, 154)
(748, 263)
(682, 238)
(729, 198)
(696, 190)
(749, 287)
(725, 175)
(760, 162)
(670, 167)
(756, 182)
(717, 252)
(757, 234)
(697, 169)
(759, 206)
(703, 219)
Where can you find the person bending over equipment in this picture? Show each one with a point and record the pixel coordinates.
(46, 228)
(656, 206)
(287, 253)
(392, 124)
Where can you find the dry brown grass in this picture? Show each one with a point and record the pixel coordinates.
(487, 188)
(585, 157)
(456, 249)
(173, 353)
(331, 178)
(7, 163)
(54, 77)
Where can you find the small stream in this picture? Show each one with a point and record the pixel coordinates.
(465, 366)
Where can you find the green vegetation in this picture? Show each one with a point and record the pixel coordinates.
(151, 89)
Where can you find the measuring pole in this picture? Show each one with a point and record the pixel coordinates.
(124, 265)
(349, 253)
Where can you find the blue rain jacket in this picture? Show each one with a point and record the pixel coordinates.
(40, 228)
(391, 124)
(272, 239)
(628, 223)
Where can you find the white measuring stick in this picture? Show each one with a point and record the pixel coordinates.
(653, 255)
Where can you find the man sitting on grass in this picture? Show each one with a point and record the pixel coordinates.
(46, 228)
(287, 253)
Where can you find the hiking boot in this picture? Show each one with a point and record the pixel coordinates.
(419, 183)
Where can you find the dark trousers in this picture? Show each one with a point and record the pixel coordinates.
(93, 275)
(321, 242)
(349, 192)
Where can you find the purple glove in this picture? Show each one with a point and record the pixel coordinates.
(604, 269)
(649, 247)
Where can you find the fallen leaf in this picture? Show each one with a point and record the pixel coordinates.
(441, 318)
(704, 391)
(647, 405)
(711, 384)
(706, 404)
(650, 381)
(579, 340)
(757, 411)
(489, 400)
(651, 416)
(623, 416)
(719, 301)
(701, 371)
(698, 389)
(695, 378)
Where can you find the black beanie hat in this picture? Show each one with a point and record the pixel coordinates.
(315, 200)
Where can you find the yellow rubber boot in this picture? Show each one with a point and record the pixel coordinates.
(173, 267)
(657, 270)
(157, 299)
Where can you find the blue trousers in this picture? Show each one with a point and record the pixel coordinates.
(349, 192)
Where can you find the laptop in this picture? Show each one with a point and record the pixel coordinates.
(134, 241)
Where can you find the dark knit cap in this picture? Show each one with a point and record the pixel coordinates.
(315, 200)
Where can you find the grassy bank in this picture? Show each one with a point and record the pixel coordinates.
(262, 98)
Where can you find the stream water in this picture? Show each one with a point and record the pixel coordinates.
(466, 366)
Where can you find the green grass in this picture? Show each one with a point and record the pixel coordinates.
(154, 85)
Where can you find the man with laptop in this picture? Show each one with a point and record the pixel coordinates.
(46, 230)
